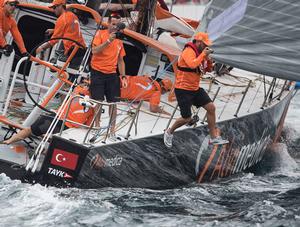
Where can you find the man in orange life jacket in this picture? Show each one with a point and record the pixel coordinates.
(192, 64)
(77, 113)
(145, 88)
(8, 23)
(66, 26)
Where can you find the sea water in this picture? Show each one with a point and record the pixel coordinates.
(267, 196)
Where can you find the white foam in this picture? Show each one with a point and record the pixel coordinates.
(47, 205)
(287, 165)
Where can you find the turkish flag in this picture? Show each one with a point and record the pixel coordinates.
(64, 159)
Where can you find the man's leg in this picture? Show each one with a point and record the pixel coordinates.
(97, 88)
(21, 135)
(112, 94)
(178, 123)
(202, 99)
(168, 135)
(184, 99)
(211, 119)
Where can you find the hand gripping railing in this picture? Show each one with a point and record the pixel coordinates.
(214, 98)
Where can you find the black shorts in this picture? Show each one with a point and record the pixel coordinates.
(77, 59)
(104, 85)
(187, 98)
(75, 62)
(41, 125)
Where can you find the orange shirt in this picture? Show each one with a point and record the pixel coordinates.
(8, 23)
(142, 88)
(189, 80)
(67, 26)
(78, 113)
(106, 61)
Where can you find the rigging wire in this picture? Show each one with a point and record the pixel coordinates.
(130, 104)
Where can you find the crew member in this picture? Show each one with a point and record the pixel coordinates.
(145, 88)
(8, 23)
(108, 53)
(192, 64)
(67, 26)
(77, 113)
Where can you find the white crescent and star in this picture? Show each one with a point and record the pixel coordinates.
(60, 158)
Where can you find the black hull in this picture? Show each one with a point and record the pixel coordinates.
(147, 163)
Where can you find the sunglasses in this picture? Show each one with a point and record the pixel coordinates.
(13, 4)
(55, 6)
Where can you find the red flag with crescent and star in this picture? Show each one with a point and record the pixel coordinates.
(64, 159)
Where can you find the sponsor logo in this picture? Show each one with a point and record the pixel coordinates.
(99, 162)
(64, 159)
(116, 161)
(229, 160)
(251, 154)
(58, 173)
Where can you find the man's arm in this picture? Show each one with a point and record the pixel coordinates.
(190, 58)
(121, 66)
(210, 65)
(57, 33)
(99, 48)
(17, 37)
(121, 63)
(2, 37)
(99, 44)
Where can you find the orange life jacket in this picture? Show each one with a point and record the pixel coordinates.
(186, 69)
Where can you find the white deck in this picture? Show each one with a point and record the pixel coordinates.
(227, 102)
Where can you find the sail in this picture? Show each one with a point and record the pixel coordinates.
(261, 36)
